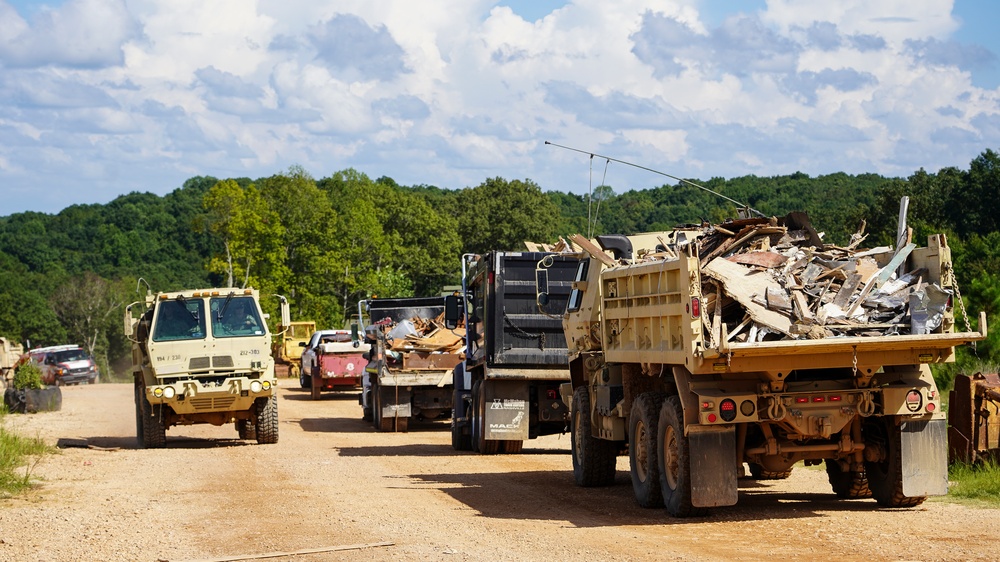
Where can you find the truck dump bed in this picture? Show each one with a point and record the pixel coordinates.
(773, 308)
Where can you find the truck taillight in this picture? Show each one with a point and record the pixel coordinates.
(552, 394)
(490, 278)
(727, 409)
(819, 398)
(695, 307)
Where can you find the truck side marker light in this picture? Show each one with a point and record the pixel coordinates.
(834, 398)
(695, 307)
(801, 400)
(819, 398)
(712, 418)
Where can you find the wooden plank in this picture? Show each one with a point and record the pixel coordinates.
(777, 299)
(802, 311)
(843, 297)
(762, 259)
(894, 263)
(742, 284)
(593, 250)
(288, 553)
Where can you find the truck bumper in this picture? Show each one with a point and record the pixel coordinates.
(192, 397)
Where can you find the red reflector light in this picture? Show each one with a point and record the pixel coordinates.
(834, 398)
(931, 407)
(552, 394)
(712, 418)
(489, 278)
(801, 400)
(695, 308)
(819, 398)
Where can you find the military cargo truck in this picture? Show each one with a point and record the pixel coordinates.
(507, 389)
(701, 349)
(203, 356)
(409, 369)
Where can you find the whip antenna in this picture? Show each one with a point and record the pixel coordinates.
(691, 183)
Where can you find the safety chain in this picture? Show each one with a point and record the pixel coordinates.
(525, 335)
(961, 302)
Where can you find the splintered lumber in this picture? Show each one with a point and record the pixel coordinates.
(846, 290)
(592, 249)
(762, 259)
(742, 284)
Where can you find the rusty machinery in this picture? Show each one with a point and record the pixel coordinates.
(974, 418)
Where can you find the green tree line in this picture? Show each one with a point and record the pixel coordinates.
(327, 243)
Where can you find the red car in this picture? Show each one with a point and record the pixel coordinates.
(331, 362)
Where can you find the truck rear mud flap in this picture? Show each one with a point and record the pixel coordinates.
(924, 449)
(713, 466)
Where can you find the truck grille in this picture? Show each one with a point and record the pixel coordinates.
(199, 363)
(219, 403)
(222, 361)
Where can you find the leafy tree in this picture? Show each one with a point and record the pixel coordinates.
(500, 215)
(84, 307)
(250, 232)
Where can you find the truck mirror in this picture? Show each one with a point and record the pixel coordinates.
(541, 280)
(354, 335)
(543, 299)
(366, 356)
(452, 311)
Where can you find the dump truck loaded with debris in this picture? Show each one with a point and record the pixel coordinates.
(410, 361)
(704, 348)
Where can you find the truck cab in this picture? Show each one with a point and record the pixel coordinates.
(203, 356)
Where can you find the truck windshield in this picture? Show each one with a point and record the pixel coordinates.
(179, 320)
(235, 317)
(300, 331)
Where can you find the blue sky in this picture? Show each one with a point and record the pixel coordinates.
(103, 97)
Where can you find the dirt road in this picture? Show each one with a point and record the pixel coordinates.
(331, 480)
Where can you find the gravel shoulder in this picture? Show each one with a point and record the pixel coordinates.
(331, 480)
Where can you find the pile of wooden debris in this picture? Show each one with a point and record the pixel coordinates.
(766, 279)
(425, 334)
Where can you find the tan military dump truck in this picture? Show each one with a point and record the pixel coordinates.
(701, 349)
(203, 356)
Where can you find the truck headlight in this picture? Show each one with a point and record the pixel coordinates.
(255, 386)
(169, 392)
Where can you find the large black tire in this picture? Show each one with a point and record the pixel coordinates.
(267, 420)
(594, 459)
(154, 428)
(511, 446)
(315, 388)
(380, 422)
(246, 429)
(759, 473)
(642, 451)
(675, 461)
(847, 484)
(305, 380)
(139, 431)
(885, 477)
(366, 412)
(480, 443)
(459, 441)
